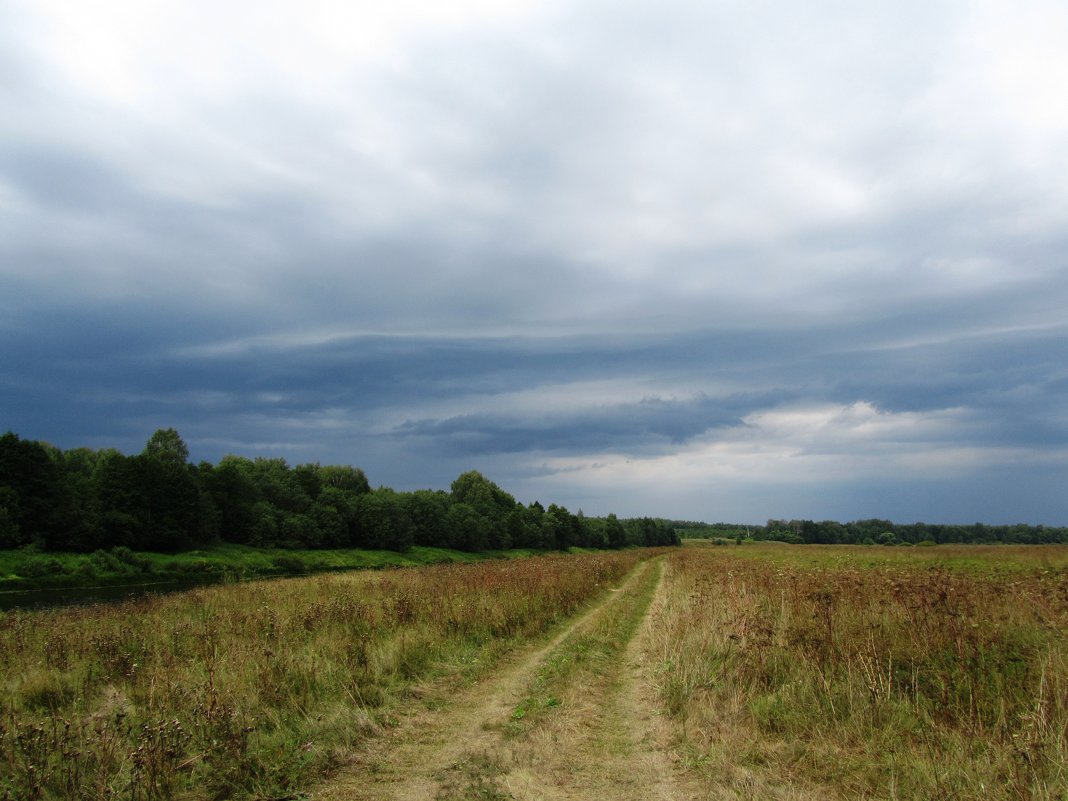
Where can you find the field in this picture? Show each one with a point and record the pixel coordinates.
(844, 672)
(761, 671)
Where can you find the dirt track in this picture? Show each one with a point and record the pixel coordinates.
(573, 718)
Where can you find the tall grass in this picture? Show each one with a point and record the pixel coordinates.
(253, 690)
(798, 674)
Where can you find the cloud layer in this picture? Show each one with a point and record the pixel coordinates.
(707, 260)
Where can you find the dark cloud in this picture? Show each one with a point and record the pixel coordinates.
(764, 256)
(652, 424)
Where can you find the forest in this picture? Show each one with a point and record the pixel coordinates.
(875, 532)
(84, 500)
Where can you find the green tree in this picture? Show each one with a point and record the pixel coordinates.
(310, 479)
(466, 527)
(9, 517)
(382, 521)
(166, 446)
(559, 528)
(118, 484)
(235, 495)
(341, 527)
(482, 495)
(343, 477)
(617, 535)
(172, 498)
(279, 485)
(35, 502)
(427, 510)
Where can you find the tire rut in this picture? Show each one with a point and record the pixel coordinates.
(599, 739)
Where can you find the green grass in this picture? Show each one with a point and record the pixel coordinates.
(27, 568)
(590, 650)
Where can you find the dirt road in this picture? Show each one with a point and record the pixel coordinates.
(574, 718)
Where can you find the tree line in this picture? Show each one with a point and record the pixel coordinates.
(877, 532)
(83, 500)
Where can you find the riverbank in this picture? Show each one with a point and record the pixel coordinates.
(27, 570)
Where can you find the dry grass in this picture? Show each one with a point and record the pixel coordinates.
(547, 723)
(870, 673)
(790, 673)
(254, 690)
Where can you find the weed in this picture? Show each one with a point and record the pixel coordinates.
(255, 690)
(917, 676)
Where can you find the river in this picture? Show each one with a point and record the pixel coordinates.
(69, 596)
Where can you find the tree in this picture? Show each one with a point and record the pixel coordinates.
(558, 527)
(596, 531)
(427, 510)
(37, 507)
(118, 484)
(279, 485)
(310, 479)
(235, 495)
(617, 536)
(342, 527)
(9, 517)
(167, 446)
(482, 495)
(350, 479)
(172, 503)
(467, 528)
(382, 521)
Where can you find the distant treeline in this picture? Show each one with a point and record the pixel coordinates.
(874, 532)
(84, 500)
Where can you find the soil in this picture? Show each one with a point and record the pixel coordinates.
(601, 736)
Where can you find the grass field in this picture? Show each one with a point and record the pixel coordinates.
(254, 690)
(845, 672)
(757, 672)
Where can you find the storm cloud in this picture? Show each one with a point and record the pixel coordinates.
(698, 260)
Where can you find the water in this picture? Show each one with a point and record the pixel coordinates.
(68, 596)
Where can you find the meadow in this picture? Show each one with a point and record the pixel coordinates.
(846, 672)
(782, 671)
(255, 690)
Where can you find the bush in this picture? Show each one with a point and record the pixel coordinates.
(108, 562)
(38, 566)
(290, 564)
(86, 571)
(128, 557)
(197, 566)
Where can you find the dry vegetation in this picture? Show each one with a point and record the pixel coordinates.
(553, 721)
(787, 673)
(869, 673)
(255, 690)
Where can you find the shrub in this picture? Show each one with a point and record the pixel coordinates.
(39, 566)
(135, 560)
(289, 563)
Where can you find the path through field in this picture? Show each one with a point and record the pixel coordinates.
(572, 719)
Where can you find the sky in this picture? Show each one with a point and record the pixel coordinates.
(710, 260)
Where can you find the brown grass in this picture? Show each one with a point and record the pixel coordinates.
(254, 690)
(850, 673)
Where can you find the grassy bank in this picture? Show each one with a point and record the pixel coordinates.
(29, 569)
(252, 690)
(851, 672)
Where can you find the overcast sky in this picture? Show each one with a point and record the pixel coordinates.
(716, 259)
